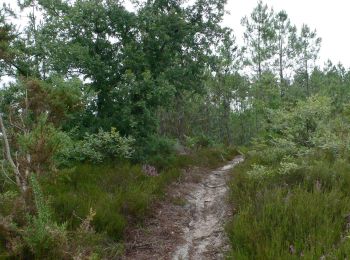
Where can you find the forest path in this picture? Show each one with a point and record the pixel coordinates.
(190, 223)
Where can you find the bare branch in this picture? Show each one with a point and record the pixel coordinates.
(6, 175)
(9, 157)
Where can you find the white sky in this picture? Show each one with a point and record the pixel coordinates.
(331, 19)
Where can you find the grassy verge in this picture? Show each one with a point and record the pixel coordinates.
(290, 209)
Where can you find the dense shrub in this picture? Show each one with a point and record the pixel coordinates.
(156, 150)
(99, 147)
(196, 142)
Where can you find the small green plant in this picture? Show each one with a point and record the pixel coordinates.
(44, 237)
(197, 142)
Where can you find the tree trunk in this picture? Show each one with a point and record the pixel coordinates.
(259, 55)
(307, 78)
(281, 67)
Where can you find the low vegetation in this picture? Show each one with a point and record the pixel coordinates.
(84, 210)
(292, 194)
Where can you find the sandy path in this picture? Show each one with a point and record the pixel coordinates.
(193, 229)
(205, 237)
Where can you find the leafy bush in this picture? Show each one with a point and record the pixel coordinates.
(96, 148)
(196, 142)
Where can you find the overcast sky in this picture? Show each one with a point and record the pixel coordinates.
(331, 19)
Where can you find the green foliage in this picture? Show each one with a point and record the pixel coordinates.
(44, 142)
(135, 61)
(169, 77)
(310, 222)
(117, 193)
(299, 124)
(292, 192)
(213, 157)
(197, 142)
(102, 146)
(6, 37)
(259, 37)
(120, 194)
(308, 49)
(10, 242)
(158, 151)
(44, 237)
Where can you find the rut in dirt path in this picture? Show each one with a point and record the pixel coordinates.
(204, 236)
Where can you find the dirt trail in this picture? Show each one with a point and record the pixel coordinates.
(193, 229)
(205, 237)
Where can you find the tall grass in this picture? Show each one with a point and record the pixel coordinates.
(119, 194)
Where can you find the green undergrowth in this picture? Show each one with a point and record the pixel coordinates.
(291, 196)
(83, 212)
(120, 194)
(298, 214)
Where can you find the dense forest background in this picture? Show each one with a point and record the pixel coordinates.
(102, 94)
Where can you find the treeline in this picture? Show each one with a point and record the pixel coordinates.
(101, 89)
(165, 69)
